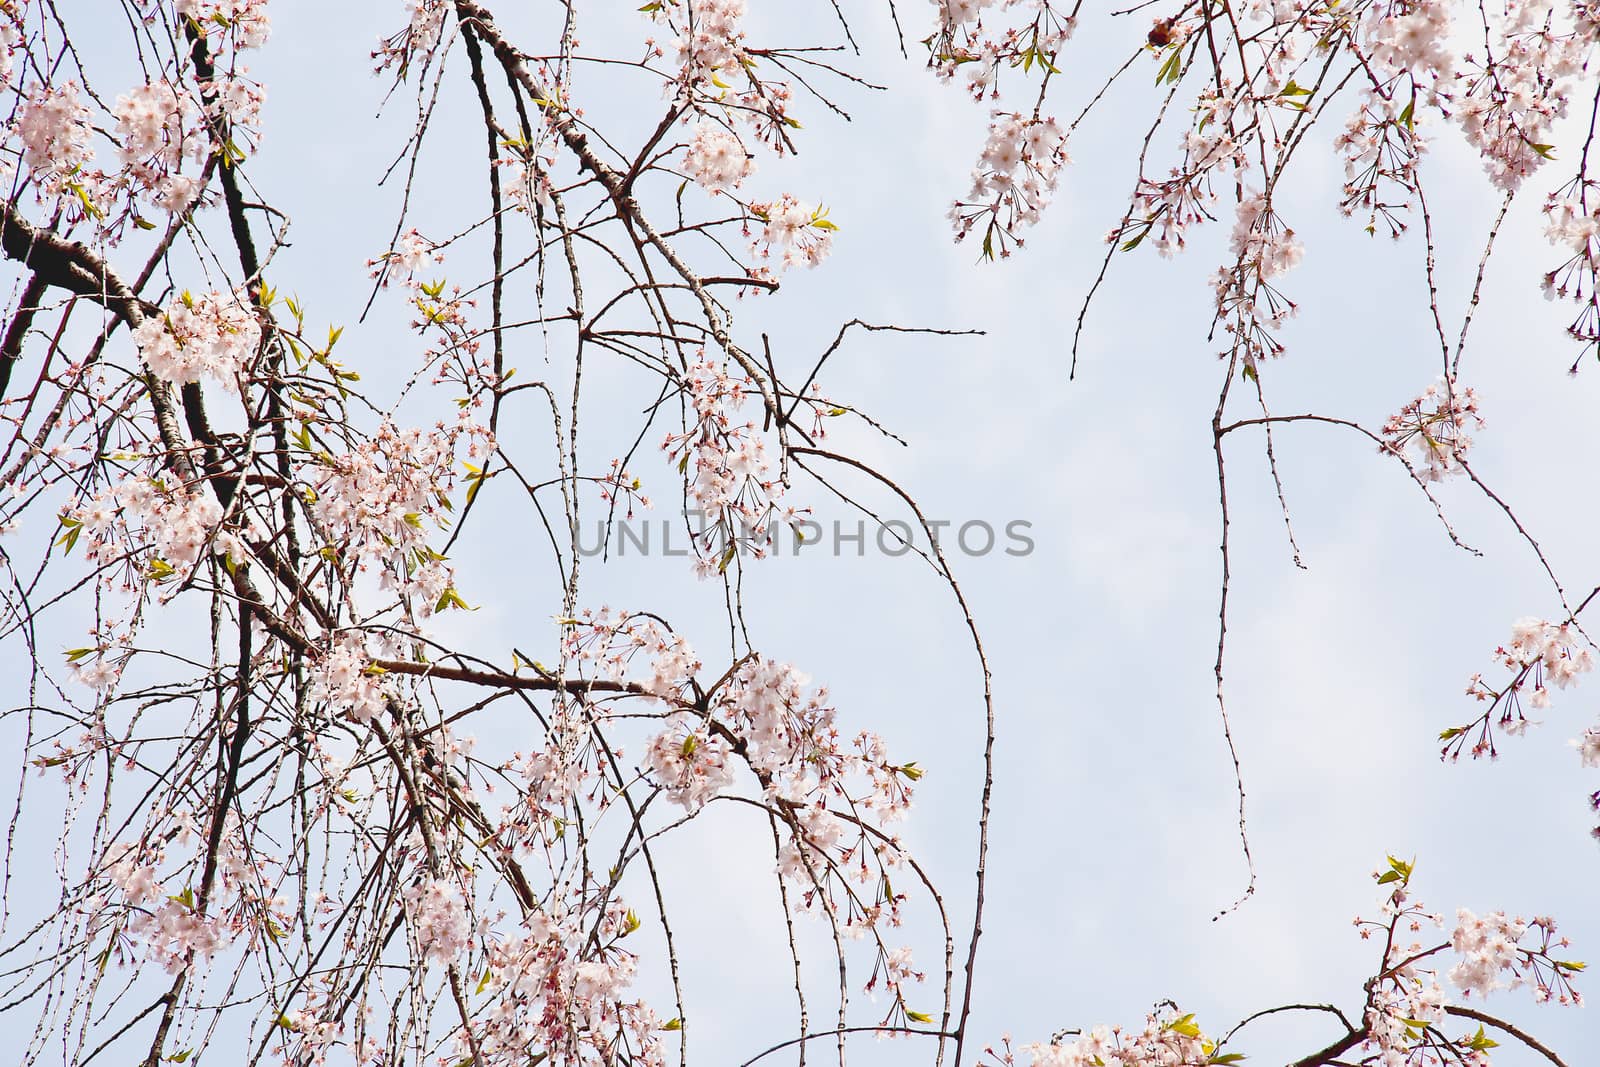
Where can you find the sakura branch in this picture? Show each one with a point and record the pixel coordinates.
(281, 836)
(1409, 1017)
(309, 812)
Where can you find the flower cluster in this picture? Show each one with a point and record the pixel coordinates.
(1542, 653)
(344, 681)
(1489, 951)
(1248, 304)
(1168, 1039)
(526, 176)
(442, 310)
(1539, 654)
(716, 158)
(371, 502)
(174, 933)
(712, 39)
(1406, 1007)
(721, 92)
(1507, 92)
(10, 39)
(420, 38)
(177, 929)
(1572, 223)
(731, 483)
(824, 787)
(800, 233)
(440, 922)
(1016, 175)
(1406, 1003)
(612, 642)
(964, 42)
(53, 125)
(411, 253)
(1164, 210)
(1382, 151)
(1508, 103)
(721, 88)
(215, 335)
(316, 1026)
(1435, 426)
(617, 486)
(561, 980)
(145, 520)
(230, 27)
(1409, 38)
(692, 764)
(158, 127)
(245, 23)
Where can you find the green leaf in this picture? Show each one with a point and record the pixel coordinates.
(1172, 69)
(451, 599)
(90, 208)
(918, 1016)
(1399, 871)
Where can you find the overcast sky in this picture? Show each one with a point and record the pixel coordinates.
(1114, 838)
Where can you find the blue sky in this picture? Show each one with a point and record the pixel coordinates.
(1114, 836)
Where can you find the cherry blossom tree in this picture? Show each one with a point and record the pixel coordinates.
(282, 838)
